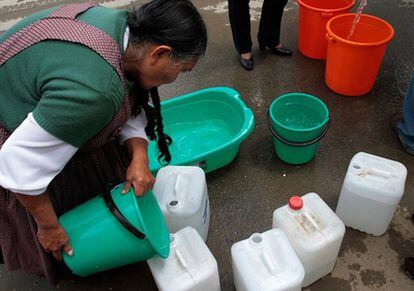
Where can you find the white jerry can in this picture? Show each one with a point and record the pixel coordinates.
(372, 190)
(190, 265)
(266, 262)
(314, 231)
(181, 192)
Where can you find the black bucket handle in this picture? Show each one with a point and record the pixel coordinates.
(110, 203)
(297, 144)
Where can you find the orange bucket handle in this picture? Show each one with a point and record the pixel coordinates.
(330, 38)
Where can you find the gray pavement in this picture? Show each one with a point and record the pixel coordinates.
(244, 194)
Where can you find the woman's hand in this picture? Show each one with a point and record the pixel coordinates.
(54, 239)
(138, 174)
(139, 177)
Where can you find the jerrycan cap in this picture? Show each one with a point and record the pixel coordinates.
(295, 203)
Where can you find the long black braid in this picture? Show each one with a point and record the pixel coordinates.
(155, 125)
(175, 23)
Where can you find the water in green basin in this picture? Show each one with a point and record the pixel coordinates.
(298, 116)
(193, 138)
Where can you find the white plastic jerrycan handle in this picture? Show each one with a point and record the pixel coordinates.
(180, 257)
(272, 266)
(174, 203)
(177, 184)
(313, 223)
(358, 169)
(378, 172)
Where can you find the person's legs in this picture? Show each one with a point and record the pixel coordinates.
(406, 126)
(270, 21)
(240, 25)
(405, 131)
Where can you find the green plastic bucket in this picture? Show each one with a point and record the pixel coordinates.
(297, 122)
(113, 230)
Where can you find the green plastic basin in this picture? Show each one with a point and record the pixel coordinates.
(206, 126)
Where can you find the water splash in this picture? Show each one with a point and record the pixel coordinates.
(358, 13)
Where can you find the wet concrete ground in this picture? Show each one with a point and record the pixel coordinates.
(244, 194)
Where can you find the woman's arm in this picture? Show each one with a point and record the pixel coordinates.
(138, 147)
(50, 233)
(135, 139)
(29, 160)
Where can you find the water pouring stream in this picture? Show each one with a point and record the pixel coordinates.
(358, 13)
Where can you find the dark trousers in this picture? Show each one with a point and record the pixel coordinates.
(269, 29)
(406, 126)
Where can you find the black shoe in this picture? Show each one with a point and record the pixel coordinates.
(408, 267)
(280, 51)
(246, 63)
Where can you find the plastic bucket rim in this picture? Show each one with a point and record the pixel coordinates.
(323, 122)
(140, 219)
(124, 220)
(301, 3)
(359, 44)
(162, 251)
(137, 211)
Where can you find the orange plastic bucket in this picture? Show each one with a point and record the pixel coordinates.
(352, 65)
(313, 16)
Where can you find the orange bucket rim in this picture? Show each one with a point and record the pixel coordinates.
(327, 10)
(354, 43)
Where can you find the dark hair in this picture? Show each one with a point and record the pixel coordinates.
(175, 23)
(155, 126)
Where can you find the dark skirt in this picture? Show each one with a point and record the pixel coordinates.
(84, 177)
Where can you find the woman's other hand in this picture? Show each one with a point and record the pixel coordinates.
(54, 239)
(139, 177)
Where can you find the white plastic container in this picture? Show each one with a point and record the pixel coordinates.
(190, 266)
(266, 262)
(314, 231)
(181, 193)
(371, 192)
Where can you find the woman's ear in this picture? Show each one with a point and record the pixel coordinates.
(160, 51)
